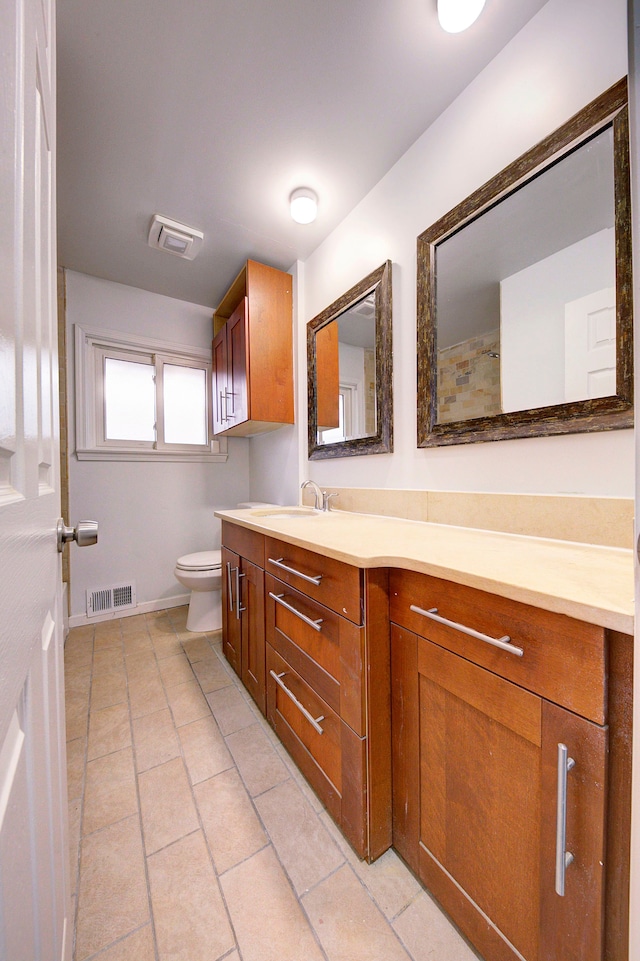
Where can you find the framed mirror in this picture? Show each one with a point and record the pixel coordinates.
(350, 364)
(524, 293)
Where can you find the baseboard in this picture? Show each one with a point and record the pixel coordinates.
(146, 607)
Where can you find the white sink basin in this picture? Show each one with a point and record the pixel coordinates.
(285, 512)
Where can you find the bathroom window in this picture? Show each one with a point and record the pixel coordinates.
(142, 400)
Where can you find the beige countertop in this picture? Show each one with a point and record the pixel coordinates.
(591, 583)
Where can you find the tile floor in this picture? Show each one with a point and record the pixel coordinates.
(193, 837)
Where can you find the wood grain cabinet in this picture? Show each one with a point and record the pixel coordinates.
(325, 621)
(253, 353)
(243, 612)
(506, 761)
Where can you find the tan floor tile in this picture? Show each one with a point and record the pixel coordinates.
(110, 627)
(231, 825)
(187, 703)
(79, 634)
(133, 624)
(349, 925)
(211, 675)
(166, 645)
(159, 622)
(154, 736)
(75, 817)
(103, 642)
(175, 669)
(316, 803)
(113, 892)
(78, 664)
(141, 662)
(109, 661)
(168, 811)
(427, 933)
(204, 750)
(189, 914)
(259, 765)
(146, 694)
(76, 715)
(230, 709)
(197, 649)
(108, 689)
(109, 731)
(110, 793)
(135, 947)
(304, 847)
(78, 683)
(138, 643)
(268, 920)
(76, 755)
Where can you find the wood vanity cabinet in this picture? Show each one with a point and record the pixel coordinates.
(243, 624)
(252, 353)
(479, 734)
(327, 625)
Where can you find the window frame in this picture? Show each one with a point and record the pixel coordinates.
(92, 346)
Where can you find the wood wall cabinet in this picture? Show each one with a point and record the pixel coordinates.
(253, 353)
(326, 622)
(479, 733)
(243, 611)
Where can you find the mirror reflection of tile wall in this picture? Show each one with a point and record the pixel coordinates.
(469, 378)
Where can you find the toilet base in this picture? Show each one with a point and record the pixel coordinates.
(205, 612)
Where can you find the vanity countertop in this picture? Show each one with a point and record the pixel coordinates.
(591, 583)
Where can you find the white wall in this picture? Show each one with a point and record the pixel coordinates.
(532, 319)
(565, 57)
(149, 513)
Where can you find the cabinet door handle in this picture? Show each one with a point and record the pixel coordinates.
(314, 721)
(563, 857)
(291, 570)
(229, 394)
(239, 608)
(223, 401)
(315, 624)
(503, 643)
(230, 584)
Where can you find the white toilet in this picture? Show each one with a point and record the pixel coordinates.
(201, 573)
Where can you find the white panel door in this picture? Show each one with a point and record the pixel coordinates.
(590, 346)
(33, 828)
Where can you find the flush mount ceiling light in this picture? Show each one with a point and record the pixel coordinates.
(174, 237)
(304, 205)
(456, 15)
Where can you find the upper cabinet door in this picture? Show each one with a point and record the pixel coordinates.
(238, 364)
(219, 372)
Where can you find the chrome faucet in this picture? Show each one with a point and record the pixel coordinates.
(323, 498)
(316, 492)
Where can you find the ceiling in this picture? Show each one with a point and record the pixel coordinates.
(210, 112)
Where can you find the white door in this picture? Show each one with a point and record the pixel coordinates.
(33, 847)
(590, 346)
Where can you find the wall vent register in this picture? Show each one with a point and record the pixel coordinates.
(117, 597)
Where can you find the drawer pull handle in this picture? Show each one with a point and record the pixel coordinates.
(291, 570)
(315, 624)
(563, 857)
(314, 721)
(502, 642)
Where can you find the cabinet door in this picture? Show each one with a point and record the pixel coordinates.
(253, 632)
(237, 365)
(231, 623)
(475, 801)
(219, 380)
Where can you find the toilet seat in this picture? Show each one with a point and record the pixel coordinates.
(200, 561)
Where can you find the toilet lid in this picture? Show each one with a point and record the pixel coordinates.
(201, 561)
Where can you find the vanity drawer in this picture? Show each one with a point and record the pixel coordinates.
(332, 583)
(563, 660)
(329, 754)
(242, 541)
(326, 649)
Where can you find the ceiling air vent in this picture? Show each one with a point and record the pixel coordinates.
(174, 237)
(106, 600)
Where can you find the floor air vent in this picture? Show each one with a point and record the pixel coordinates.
(105, 600)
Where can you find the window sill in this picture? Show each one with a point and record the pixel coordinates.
(127, 454)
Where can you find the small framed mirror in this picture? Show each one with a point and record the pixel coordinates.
(350, 371)
(524, 293)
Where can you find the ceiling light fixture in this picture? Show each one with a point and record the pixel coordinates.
(174, 237)
(456, 15)
(304, 205)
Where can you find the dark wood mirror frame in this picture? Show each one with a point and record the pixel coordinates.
(378, 281)
(604, 413)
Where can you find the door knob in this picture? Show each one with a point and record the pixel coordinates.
(85, 533)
